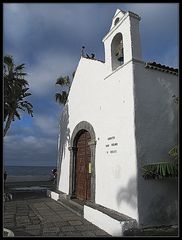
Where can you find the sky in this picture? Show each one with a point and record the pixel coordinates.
(48, 39)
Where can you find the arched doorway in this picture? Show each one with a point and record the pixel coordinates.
(82, 162)
(82, 166)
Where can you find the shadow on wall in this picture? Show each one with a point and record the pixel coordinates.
(161, 210)
(158, 202)
(64, 138)
(128, 194)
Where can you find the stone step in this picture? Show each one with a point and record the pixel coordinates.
(111, 213)
(71, 205)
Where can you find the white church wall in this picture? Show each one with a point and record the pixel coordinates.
(116, 165)
(82, 105)
(107, 104)
(156, 133)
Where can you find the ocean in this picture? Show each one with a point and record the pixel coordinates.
(28, 173)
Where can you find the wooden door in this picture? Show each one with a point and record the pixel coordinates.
(83, 158)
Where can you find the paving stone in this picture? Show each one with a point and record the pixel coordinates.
(35, 226)
(61, 234)
(73, 234)
(33, 218)
(9, 220)
(21, 224)
(9, 225)
(54, 219)
(9, 216)
(33, 232)
(87, 234)
(22, 218)
(86, 227)
(11, 212)
(21, 213)
(67, 214)
(10, 209)
(54, 205)
(85, 222)
(51, 229)
(76, 222)
(61, 213)
(22, 208)
(31, 214)
(62, 223)
(74, 217)
(45, 217)
(100, 233)
(46, 220)
(46, 212)
(67, 228)
(48, 224)
(49, 234)
(36, 221)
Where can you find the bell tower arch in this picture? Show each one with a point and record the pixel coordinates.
(117, 55)
(122, 42)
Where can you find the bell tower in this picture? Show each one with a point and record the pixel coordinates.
(122, 42)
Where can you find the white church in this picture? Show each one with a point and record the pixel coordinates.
(120, 115)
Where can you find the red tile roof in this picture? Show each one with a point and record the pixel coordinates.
(151, 65)
(163, 68)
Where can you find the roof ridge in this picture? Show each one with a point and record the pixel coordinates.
(161, 67)
(93, 59)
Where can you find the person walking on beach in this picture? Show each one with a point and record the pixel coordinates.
(54, 171)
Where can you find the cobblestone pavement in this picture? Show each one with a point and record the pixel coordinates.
(46, 217)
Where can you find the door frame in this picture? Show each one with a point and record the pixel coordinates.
(88, 127)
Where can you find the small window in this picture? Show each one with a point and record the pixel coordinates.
(116, 21)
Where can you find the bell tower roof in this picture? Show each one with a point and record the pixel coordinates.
(118, 18)
(119, 11)
(119, 14)
(122, 42)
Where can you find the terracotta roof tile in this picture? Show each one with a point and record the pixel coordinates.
(163, 68)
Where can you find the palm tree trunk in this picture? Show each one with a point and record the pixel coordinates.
(8, 123)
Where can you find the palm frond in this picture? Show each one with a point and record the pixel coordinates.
(15, 91)
(160, 170)
(61, 97)
(8, 60)
(63, 81)
(174, 152)
(20, 67)
(17, 115)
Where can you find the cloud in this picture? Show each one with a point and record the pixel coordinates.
(47, 68)
(48, 39)
(171, 57)
(40, 28)
(47, 124)
(30, 150)
(16, 22)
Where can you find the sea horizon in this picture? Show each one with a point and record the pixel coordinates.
(28, 173)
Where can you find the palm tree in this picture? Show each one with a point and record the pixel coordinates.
(64, 82)
(15, 90)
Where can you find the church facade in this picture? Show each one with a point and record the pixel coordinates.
(120, 115)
